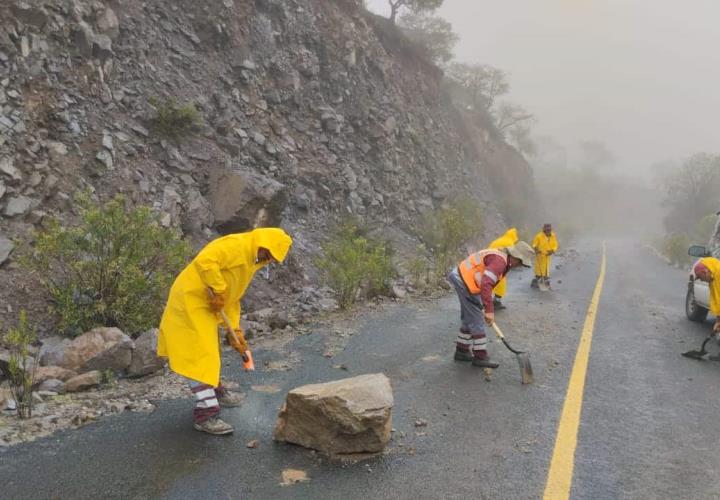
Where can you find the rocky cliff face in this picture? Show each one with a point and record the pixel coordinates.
(311, 110)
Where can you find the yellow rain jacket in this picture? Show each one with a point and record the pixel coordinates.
(714, 265)
(189, 329)
(542, 245)
(506, 240)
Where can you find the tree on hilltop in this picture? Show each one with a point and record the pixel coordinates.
(434, 34)
(414, 5)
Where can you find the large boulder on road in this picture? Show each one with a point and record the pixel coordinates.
(99, 349)
(352, 415)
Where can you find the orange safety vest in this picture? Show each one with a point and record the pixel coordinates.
(475, 264)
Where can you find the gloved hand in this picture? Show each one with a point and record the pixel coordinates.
(550, 252)
(240, 345)
(489, 318)
(217, 301)
(716, 327)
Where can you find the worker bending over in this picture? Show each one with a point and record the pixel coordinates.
(473, 280)
(214, 281)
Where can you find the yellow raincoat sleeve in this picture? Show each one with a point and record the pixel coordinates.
(207, 264)
(508, 239)
(553, 242)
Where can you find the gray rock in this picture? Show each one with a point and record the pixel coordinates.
(53, 348)
(139, 129)
(6, 247)
(43, 373)
(99, 349)
(105, 157)
(56, 150)
(7, 167)
(19, 205)
(4, 361)
(84, 381)
(144, 357)
(3, 189)
(51, 387)
(352, 415)
(83, 39)
(107, 23)
(28, 14)
(243, 200)
(24, 46)
(102, 47)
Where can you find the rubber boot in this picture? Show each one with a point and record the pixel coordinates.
(534, 282)
(499, 306)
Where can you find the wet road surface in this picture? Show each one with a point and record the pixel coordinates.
(648, 427)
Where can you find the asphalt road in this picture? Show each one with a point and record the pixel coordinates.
(648, 427)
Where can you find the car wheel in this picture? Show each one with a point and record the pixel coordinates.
(693, 311)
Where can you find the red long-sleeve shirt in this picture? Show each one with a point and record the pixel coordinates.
(495, 269)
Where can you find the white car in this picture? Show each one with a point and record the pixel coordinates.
(697, 299)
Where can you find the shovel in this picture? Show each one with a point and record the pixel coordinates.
(702, 352)
(526, 372)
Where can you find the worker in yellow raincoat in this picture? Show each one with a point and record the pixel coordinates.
(708, 270)
(214, 281)
(506, 240)
(545, 244)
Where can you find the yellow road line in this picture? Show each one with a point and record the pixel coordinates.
(560, 475)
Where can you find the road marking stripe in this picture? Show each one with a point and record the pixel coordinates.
(560, 475)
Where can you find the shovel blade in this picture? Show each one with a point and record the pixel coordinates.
(526, 372)
(695, 354)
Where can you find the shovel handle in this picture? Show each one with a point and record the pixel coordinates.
(498, 332)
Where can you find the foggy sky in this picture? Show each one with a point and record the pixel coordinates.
(641, 75)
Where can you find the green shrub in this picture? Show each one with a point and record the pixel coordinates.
(675, 248)
(113, 269)
(419, 268)
(21, 365)
(173, 121)
(355, 264)
(447, 230)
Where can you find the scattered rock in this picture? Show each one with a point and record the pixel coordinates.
(7, 167)
(6, 247)
(252, 444)
(19, 205)
(352, 415)
(43, 373)
(108, 24)
(52, 385)
(421, 422)
(99, 349)
(144, 357)
(52, 351)
(84, 381)
(293, 476)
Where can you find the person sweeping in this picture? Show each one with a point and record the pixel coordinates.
(473, 280)
(506, 240)
(545, 245)
(210, 286)
(708, 270)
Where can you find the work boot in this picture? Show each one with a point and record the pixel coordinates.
(461, 355)
(214, 426)
(484, 363)
(229, 399)
(498, 304)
